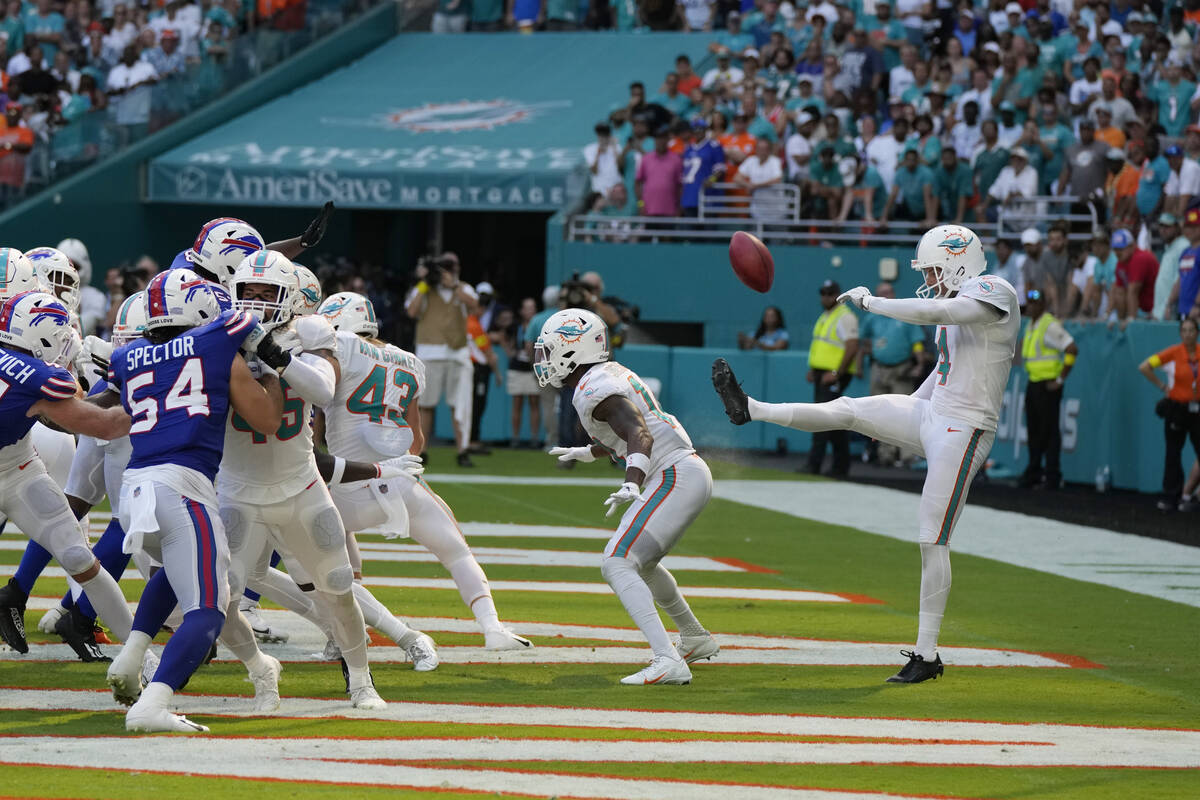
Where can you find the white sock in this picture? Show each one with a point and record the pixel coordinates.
(109, 604)
(473, 586)
(134, 651)
(935, 590)
(238, 636)
(814, 417)
(666, 594)
(378, 617)
(634, 594)
(157, 694)
(349, 629)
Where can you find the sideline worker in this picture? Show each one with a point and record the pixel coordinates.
(831, 360)
(1048, 353)
(1180, 409)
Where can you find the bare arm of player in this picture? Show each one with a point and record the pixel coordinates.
(106, 399)
(628, 424)
(413, 417)
(78, 416)
(352, 470)
(942, 311)
(318, 428)
(260, 403)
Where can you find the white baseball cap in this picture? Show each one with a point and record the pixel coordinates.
(485, 288)
(1031, 236)
(1014, 8)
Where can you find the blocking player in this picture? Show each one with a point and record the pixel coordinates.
(34, 331)
(625, 421)
(950, 420)
(373, 417)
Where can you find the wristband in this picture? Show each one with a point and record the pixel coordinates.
(1069, 359)
(422, 287)
(339, 469)
(638, 461)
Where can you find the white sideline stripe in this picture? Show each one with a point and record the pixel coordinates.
(941, 742)
(216, 757)
(99, 521)
(1035, 543)
(724, 592)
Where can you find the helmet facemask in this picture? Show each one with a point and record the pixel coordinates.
(271, 313)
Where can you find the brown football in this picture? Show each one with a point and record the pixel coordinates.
(751, 261)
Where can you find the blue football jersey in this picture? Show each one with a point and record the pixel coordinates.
(699, 161)
(23, 381)
(177, 393)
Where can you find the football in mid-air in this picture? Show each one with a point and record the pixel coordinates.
(751, 261)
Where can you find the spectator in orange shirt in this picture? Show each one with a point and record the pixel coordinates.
(1106, 132)
(1180, 409)
(681, 137)
(738, 145)
(688, 80)
(1125, 186)
(16, 140)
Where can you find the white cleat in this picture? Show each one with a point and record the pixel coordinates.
(504, 639)
(262, 631)
(331, 652)
(149, 667)
(50, 619)
(697, 648)
(423, 653)
(125, 678)
(156, 719)
(266, 685)
(367, 699)
(663, 669)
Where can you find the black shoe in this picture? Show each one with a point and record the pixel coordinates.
(80, 633)
(212, 653)
(464, 459)
(737, 405)
(917, 669)
(12, 616)
(1165, 504)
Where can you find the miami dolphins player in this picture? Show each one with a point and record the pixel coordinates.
(373, 417)
(951, 419)
(625, 422)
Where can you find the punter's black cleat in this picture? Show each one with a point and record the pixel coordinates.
(737, 404)
(80, 633)
(917, 669)
(12, 616)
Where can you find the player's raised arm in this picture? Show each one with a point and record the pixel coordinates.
(948, 311)
(260, 404)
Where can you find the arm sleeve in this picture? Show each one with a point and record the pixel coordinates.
(315, 333)
(950, 311)
(312, 378)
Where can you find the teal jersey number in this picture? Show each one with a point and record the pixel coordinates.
(651, 401)
(943, 357)
(368, 397)
(289, 426)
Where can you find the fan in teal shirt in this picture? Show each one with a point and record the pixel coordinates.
(952, 186)
(487, 12)
(672, 99)
(50, 22)
(15, 30)
(1153, 180)
(1173, 97)
(1057, 137)
(892, 341)
(867, 177)
(909, 184)
(626, 13)
(732, 38)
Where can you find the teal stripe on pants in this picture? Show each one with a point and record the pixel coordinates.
(643, 516)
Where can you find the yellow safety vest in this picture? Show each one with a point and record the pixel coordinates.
(827, 350)
(1042, 362)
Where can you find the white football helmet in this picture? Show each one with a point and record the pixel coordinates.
(38, 322)
(179, 298)
(272, 268)
(570, 338)
(55, 270)
(78, 253)
(955, 254)
(130, 323)
(221, 246)
(17, 274)
(350, 311)
(307, 298)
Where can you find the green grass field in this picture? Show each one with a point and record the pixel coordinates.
(1142, 651)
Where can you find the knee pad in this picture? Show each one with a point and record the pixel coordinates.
(46, 499)
(614, 567)
(339, 580)
(327, 531)
(76, 558)
(235, 528)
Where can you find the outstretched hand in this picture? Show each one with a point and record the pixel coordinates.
(316, 229)
(858, 296)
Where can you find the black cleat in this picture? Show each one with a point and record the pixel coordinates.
(12, 616)
(737, 404)
(464, 459)
(80, 633)
(917, 669)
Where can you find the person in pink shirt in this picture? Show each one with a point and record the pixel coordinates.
(659, 179)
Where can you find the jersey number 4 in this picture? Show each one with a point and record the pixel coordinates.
(368, 398)
(943, 366)
(186, 393)
(289, 426)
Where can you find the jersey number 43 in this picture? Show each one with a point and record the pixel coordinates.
(369, 398)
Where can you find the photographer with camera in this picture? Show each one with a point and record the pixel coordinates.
(124, 280)
(440, 303)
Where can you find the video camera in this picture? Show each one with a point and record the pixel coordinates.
(576, 293)
(435, 267)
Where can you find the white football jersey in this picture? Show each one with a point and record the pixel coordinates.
(671, 442)
(974, 360)
(366, 420)
(268, 469)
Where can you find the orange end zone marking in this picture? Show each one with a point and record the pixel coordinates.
(744, 565)
(377, 639)
(859, 598)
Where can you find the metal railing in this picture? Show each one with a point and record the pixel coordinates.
(715, 226)
(779, 202)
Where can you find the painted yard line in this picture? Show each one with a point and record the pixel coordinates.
(569, 587)
(221, 758)
(100, 519)
(1149, 750)
(1032, 542)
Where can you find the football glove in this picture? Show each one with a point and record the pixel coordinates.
(406, 464)
(567, 454)
(316, 229)
(858, 296)
(270, 353)
(628, 492)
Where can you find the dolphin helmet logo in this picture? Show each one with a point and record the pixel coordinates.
(956, 244)
(573, 330)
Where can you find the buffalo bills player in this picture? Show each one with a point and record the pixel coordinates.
(34, 332)
(178, 385)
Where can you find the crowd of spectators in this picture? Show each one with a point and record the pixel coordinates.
(917, 111)
(78, 77)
